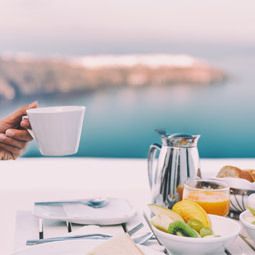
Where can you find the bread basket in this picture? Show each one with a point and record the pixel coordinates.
(240, 189)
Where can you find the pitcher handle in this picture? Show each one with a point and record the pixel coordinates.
(151, 156)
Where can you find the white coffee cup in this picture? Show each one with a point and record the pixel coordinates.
(57, 130)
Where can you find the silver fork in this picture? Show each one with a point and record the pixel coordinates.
(138, 240)
(144, 238)
(91, 236)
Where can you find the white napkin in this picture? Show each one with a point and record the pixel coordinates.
(117, 211)
(117, 208)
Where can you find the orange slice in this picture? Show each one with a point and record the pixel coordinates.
(191, 210)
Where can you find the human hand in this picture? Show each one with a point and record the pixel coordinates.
(14, 137)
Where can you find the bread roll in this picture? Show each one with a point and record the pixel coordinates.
(252, 173)
(235, 172)
(229, 171)
(246, 175)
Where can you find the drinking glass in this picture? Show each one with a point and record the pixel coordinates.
(213, 196)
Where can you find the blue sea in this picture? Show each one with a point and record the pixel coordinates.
(120, 122)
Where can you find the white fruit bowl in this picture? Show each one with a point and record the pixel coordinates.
(227, 229)
(250, 228)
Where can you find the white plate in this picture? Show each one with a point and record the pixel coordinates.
(237, 183)
(117, 211)
(73, 247)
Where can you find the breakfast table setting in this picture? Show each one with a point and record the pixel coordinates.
(171, 203)
(73, 178)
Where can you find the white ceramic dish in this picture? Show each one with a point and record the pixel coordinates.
(74, 247)
(117, 211)
(237, 183)
(250, 228)
(228, 229)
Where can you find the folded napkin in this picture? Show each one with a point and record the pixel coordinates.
(116, 208)
(117, 211)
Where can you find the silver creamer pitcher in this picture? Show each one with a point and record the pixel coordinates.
(177, 162)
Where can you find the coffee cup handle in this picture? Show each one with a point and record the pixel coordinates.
(29, 130)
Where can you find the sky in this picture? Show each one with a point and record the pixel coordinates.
(59, 26)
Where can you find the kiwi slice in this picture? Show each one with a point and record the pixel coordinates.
(179, 228)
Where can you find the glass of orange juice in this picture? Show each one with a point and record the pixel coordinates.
(213, 196)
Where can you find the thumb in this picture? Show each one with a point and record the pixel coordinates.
(16, 116)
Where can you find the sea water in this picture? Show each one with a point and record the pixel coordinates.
(120, 122)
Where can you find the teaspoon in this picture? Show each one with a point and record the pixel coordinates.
(97, 202)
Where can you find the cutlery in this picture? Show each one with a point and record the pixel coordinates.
(135, 229)
(65, 238)
(149, 224)
(138, 240)
(144, 238)
(91, 236)
(97, 202)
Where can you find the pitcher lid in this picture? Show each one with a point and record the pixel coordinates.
(178, 139)
(177, 135)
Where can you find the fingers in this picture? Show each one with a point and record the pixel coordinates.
(16, 152)
(25, 124)
(15, 148)
(12, 142)
(16, 116)
(19, 134)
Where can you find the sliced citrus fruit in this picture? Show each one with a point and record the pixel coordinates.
(156, 209)
(191, 210)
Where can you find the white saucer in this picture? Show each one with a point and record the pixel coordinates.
(117, 211)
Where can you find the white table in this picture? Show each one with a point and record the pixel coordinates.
(27, 180)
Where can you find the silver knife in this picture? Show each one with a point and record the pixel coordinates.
(55, 239)
(138, 240)
(87, 236)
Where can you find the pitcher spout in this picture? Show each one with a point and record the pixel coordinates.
(196, 138)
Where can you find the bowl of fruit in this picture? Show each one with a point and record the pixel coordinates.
(247, 217)
(188, 229)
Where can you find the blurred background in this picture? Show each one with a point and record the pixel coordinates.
(186, 66)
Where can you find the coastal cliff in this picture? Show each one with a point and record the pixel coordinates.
(27, 77)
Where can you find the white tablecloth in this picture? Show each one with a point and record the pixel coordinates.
(27, 180)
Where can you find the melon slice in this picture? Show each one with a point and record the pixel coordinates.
(162, 222)
(156, 209)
